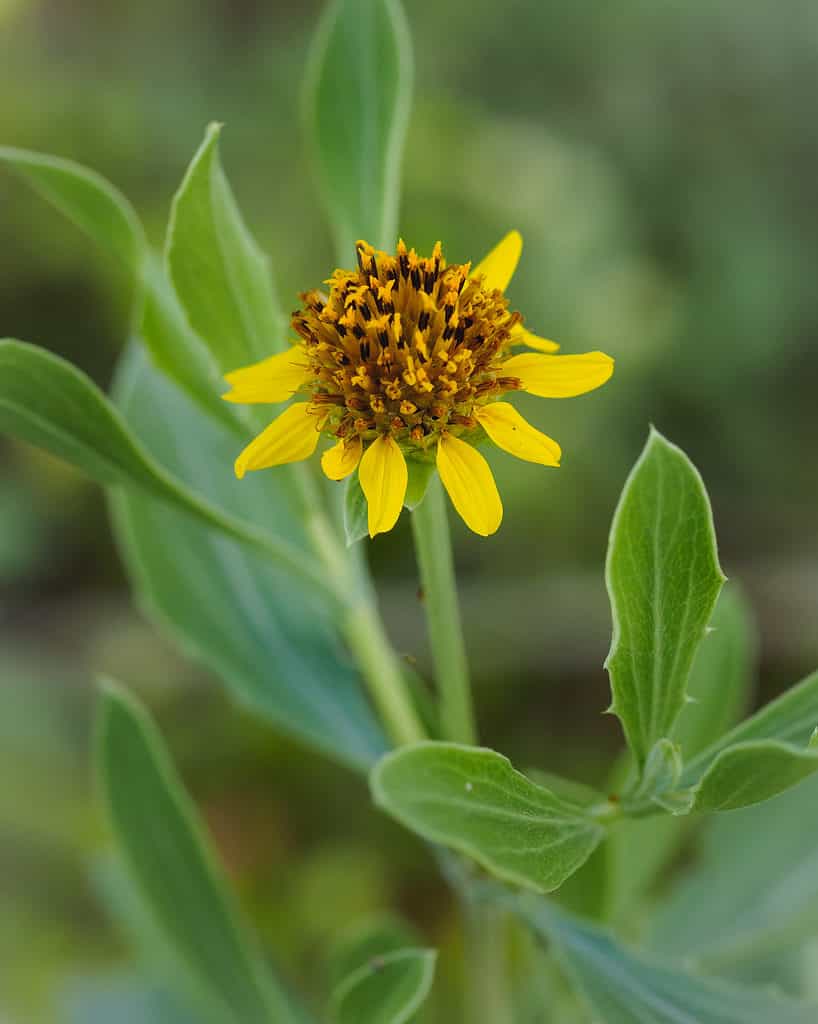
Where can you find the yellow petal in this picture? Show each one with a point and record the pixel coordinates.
(340, 460)
(291, 437)
(383, 475)
(499, 266)
(559, 376)
(515, 435)
(468, 479)
(520, 336)
(272, 380)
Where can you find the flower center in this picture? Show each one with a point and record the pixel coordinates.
(404, 346)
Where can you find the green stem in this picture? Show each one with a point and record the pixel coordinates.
(433, 548)
(365, 635)
(360, 621)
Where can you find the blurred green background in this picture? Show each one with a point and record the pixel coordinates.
(661, 161)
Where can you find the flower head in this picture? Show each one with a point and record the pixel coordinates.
(408, 358)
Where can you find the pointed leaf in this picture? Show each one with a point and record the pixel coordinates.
(273, 641)
(358, 95)
(390, 989)
(622, 986)
(50, 403)
(170, 863)
(762, 756)
(87, 199)
(220, 275)
(471, 799)
(374, 937)
(663, 579)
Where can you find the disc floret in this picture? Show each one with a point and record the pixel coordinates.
(404, 346)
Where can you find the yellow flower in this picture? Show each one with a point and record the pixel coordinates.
(407, 358)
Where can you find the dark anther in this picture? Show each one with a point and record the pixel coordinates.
(341, 329)
(423, 320)
(374, 266)
(359, 252)
(448, 310)
(460, 333)
(366, 312)
(448, 331)
(416, 279)
(358, 331)
(404, 265)
(422, 357)
(401, 343)
(343, 359)
(429, 282)
(364, 350)
(383, 338)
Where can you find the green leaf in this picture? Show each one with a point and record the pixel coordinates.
(178, 351)
(272, 640)
(622, 986)
(663, 579)
(220, 275)
(762, 756)
(49, 403)
(174, 870)
(721, 677)
(752, 890)
(358, 97)
(471, 799)
(355, 511)
(86, 198)
(390, 989)
(123, 1000)
(373, 937)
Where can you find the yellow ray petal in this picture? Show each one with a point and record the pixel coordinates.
(499, 265)
(468, 479)
(272, 380)
(515, 435)
(291, 437)
(520, 336)
(340, 460)
(383, 475)
(559, 376)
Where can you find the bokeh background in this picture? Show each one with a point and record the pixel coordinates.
(661, 161)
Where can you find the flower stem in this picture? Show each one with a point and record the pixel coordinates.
(433, 548)
(366, 636)
(360, 621)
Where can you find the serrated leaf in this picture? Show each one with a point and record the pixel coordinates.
(358, 95)
(219, 273)
(721, 677)
(355, 511)
(752, 890)
(50, 403)
(663, 579)
(762, 756)
(273, 642)
(87, 199)
(389, 989)
(622, 986)
(178, 877)
(471, 799)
